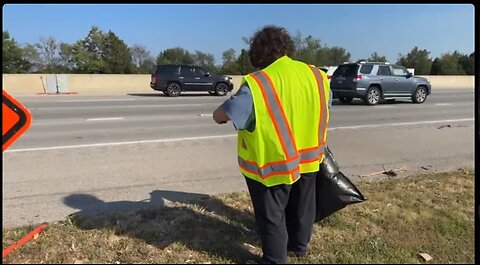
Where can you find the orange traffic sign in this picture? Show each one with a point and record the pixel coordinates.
(16, 119)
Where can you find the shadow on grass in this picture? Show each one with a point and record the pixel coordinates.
(198, 221)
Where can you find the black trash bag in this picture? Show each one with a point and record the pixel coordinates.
(334, 191)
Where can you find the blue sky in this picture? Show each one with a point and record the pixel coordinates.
(361, 29)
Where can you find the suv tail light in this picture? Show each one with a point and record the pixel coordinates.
(155, 78)
(357, 77)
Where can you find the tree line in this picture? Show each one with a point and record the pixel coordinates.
(105, 53)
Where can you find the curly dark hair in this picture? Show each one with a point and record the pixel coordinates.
(268, 44)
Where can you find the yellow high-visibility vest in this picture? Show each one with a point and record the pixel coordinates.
(290, 100)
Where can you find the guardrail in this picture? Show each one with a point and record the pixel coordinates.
(97, 84)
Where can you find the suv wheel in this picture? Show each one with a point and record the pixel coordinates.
(346, 100)
(221, 89)
(420, 95)
(373, 96)
(173, 89)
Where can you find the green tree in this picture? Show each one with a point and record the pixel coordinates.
(244, 64)
(66, 60)
(12, 56)
(337, 56)
(377, 58)
(467, 62)
(448, 64)
(30, 53)
(308, 50)
(88, 54)
(49, 56)
(205, 60)
(297, 41)
(229, 63)
(100, 53)
(48, 48)
(436, 65)
(175, 55)
(116, 54)
(143, 61)
(418, 59)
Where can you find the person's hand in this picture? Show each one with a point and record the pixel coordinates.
(219, 116)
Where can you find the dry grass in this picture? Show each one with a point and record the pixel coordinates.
(432, 213)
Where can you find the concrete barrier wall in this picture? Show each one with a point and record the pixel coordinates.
(451, 81)
(109, 84)
(85, 84)
(23, 83)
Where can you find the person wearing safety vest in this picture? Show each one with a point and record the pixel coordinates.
(281, 113)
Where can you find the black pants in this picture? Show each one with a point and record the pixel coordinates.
(284, 215)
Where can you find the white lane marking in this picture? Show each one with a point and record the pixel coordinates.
(125, 106)
(123, 143)
(397, 124)
(443, 104)
(105, 119)
(217, 136)
(205, 115)
(96, 100)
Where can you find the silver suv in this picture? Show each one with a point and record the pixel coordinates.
(374, 82)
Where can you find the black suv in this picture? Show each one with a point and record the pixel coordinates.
(174, 79)
(374, 82)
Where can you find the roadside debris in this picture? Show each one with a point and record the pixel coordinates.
(391, 173)
(443, 126)
(427, 167)
(425, 256)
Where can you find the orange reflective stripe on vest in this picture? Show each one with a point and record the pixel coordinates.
(276, 113)
(283, 130)
(322, 127)
(282, 167)
(271, 169)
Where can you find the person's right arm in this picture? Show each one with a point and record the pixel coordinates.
(238, 109)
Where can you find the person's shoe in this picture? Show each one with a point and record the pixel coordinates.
(294, 254)
(251, 250)
(260, 261)
(253, 254)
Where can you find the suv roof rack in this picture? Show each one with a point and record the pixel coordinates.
(365, 61)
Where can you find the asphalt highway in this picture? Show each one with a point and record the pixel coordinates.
(123, 148)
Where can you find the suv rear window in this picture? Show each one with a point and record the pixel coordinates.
(366, 69)
(346, 70)
(166, 69)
